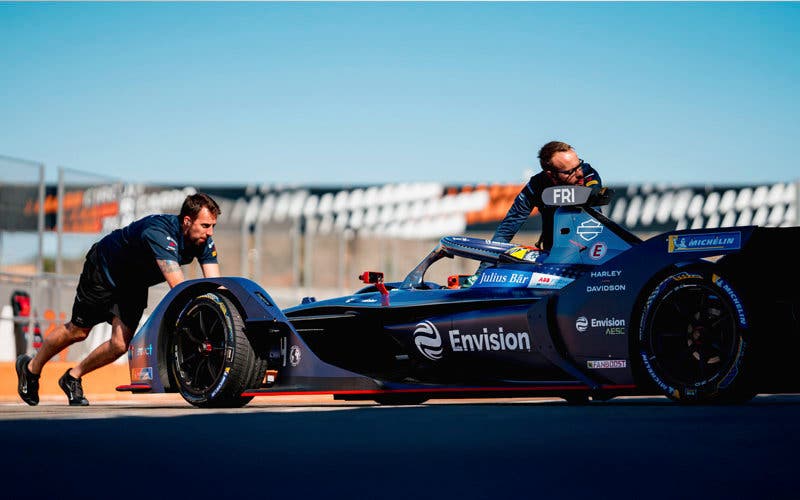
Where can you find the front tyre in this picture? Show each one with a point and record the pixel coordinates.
(576, 399)
(693, 339)
(211, 358)
(401, 399)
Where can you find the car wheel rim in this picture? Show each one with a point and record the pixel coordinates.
(693, 335)
(200, 348)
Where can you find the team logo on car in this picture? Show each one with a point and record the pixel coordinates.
(609, 325)
(428, 340)
(294, 355)
(145, 373)
(589, 229)
(606, 364)
(702, 242)
(486, 341)
(541, 280)
(143, 350)
(598, 251)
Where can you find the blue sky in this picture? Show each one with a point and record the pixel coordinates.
(360, 93)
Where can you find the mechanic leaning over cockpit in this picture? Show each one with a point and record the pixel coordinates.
(560, 167)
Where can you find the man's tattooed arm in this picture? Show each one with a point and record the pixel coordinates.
(171, 270)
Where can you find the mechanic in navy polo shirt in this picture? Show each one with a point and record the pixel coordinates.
(560, 166)
(113, 287)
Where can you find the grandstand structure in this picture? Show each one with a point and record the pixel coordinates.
(430, 210)
(312, 238)
(412, 210)
(647, 208)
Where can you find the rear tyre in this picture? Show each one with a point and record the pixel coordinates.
(693, 339)
(211, 358)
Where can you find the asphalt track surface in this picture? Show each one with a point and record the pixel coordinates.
(521, 448)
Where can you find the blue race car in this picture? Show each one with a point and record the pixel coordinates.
(696, 315)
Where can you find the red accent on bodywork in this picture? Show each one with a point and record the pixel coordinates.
(444, 389)
(134, 387)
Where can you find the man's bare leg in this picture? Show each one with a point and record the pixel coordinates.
(107, 352)
(58, 340)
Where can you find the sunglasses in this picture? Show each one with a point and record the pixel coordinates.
(567, 173)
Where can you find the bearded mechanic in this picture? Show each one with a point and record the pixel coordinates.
(560, 167)
(114, 284)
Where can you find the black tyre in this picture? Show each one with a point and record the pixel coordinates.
(211, 358)
(576, 399)
(603, 396)
(693, 339)
(401, 399)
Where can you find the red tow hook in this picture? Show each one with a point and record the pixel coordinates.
(376, 278)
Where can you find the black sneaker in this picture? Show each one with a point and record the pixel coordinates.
(73, 389)
(27, 382)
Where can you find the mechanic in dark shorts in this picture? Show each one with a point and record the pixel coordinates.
(113, 287)
(560, 167)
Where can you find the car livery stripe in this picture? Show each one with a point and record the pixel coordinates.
(434, 390)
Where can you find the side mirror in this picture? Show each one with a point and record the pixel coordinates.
(371, 277)
(376, 278)
(456, 281)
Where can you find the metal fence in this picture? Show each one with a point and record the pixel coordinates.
(64, 221)
(51, 298)
(21, 214)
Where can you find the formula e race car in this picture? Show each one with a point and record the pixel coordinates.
(696, 315)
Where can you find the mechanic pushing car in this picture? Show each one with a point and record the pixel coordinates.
(560, 166)
(113, 287)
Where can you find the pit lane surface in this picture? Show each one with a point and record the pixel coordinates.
(295, 448)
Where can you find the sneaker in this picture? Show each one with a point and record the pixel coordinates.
(73, 389)
(27, 382)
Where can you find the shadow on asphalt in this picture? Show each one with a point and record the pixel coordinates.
(634, 448)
